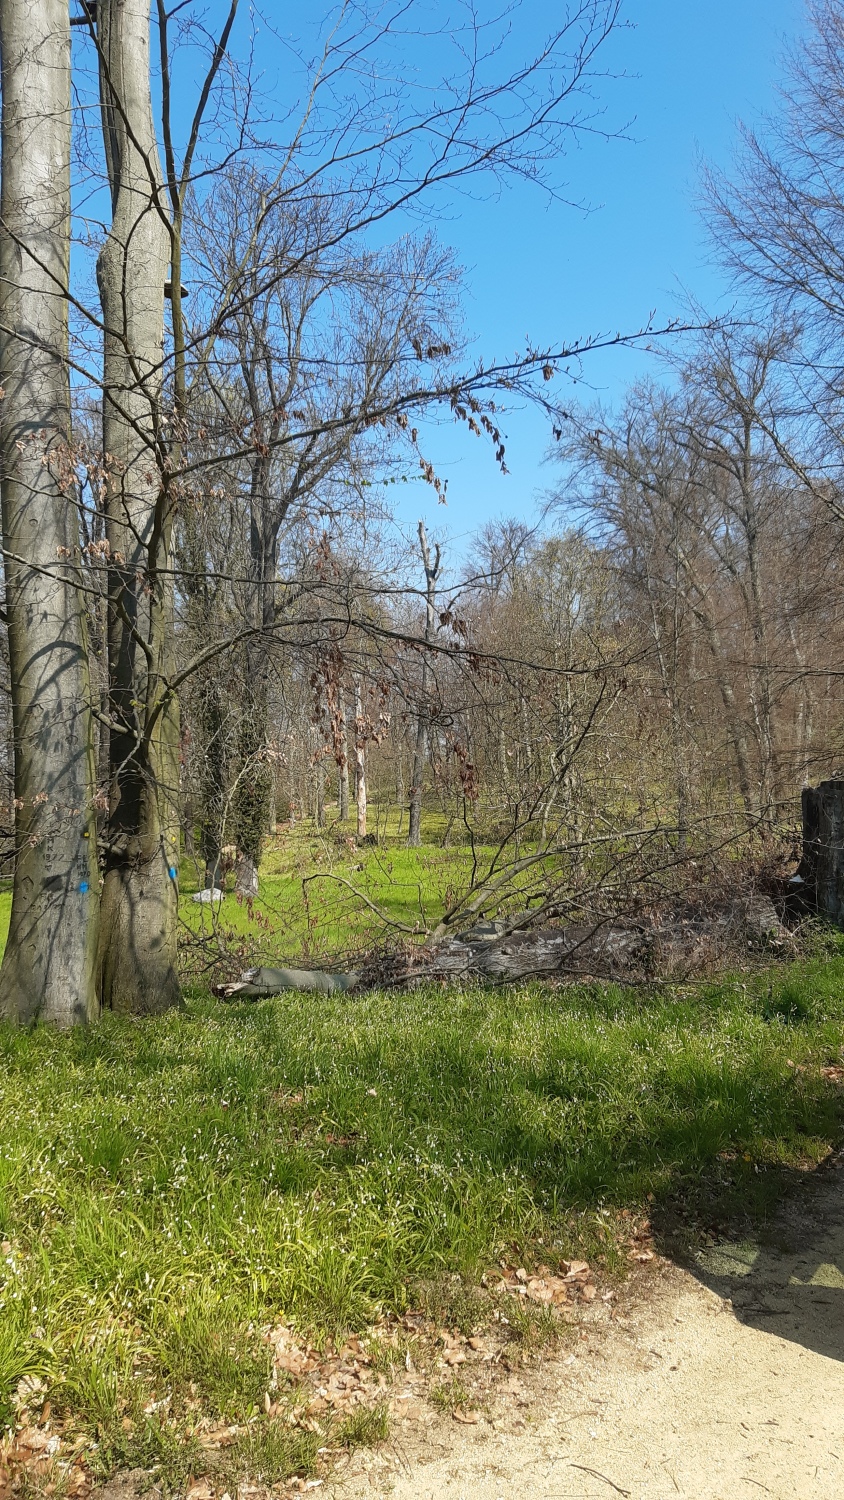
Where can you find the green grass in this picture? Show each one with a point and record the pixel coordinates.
(314, 890)
(168, 1186)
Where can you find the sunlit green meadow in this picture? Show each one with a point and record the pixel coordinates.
(168, 1186)
(322, 896)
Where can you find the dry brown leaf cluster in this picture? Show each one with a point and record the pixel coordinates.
(330, 1383)
(641, 1244)
(574, 1284)
(43, 1453)
(832, 1072)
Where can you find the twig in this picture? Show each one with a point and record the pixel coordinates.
(596, 1475)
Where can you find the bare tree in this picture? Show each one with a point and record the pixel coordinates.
(708, 527)
(342, 755)
(778, 225)
(360, 761)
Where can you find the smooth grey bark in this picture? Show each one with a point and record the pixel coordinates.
(246, 877)
(423, 718)
(269, 504)
(343, 758)
(212, 778)
(48, 970)
(254, 793)
(360, 762)
(139, 901)
(258, 984)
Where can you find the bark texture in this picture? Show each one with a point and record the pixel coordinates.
(342, 758)
(423, 713)
(360, 763)
(48, 970)
(212, 778)
(821, 873)
(139, 901)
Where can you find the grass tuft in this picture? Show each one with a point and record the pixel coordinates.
(271, 1451)
(365, 1428)
(450, 1395)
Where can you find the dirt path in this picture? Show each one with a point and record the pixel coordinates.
(721, 1385)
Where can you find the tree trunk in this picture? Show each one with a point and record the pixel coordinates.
(414, 832)
(255, 789)
(140, 896)
(423, 712)
(360, 764)
(253, 795)
(399, 784)
(319, 793)
(246, 877)
(761, 690)
(212, 776)
(343, 766)
(820, 879)
(49, 966)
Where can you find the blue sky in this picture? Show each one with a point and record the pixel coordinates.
(685, 71)
(693, 68)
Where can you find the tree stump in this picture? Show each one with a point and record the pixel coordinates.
(821, 871)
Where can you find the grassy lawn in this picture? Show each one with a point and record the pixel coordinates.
(169, 1187)
(320, 896)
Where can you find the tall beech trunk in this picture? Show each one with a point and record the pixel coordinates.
(343, 758)
(253, 795)
(360, 763)
(212, 777)
(139, 900)
(253, 801)
(423, 715)
(48, 970)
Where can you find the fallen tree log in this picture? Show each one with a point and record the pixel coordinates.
(488, 951)
(259, 984)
